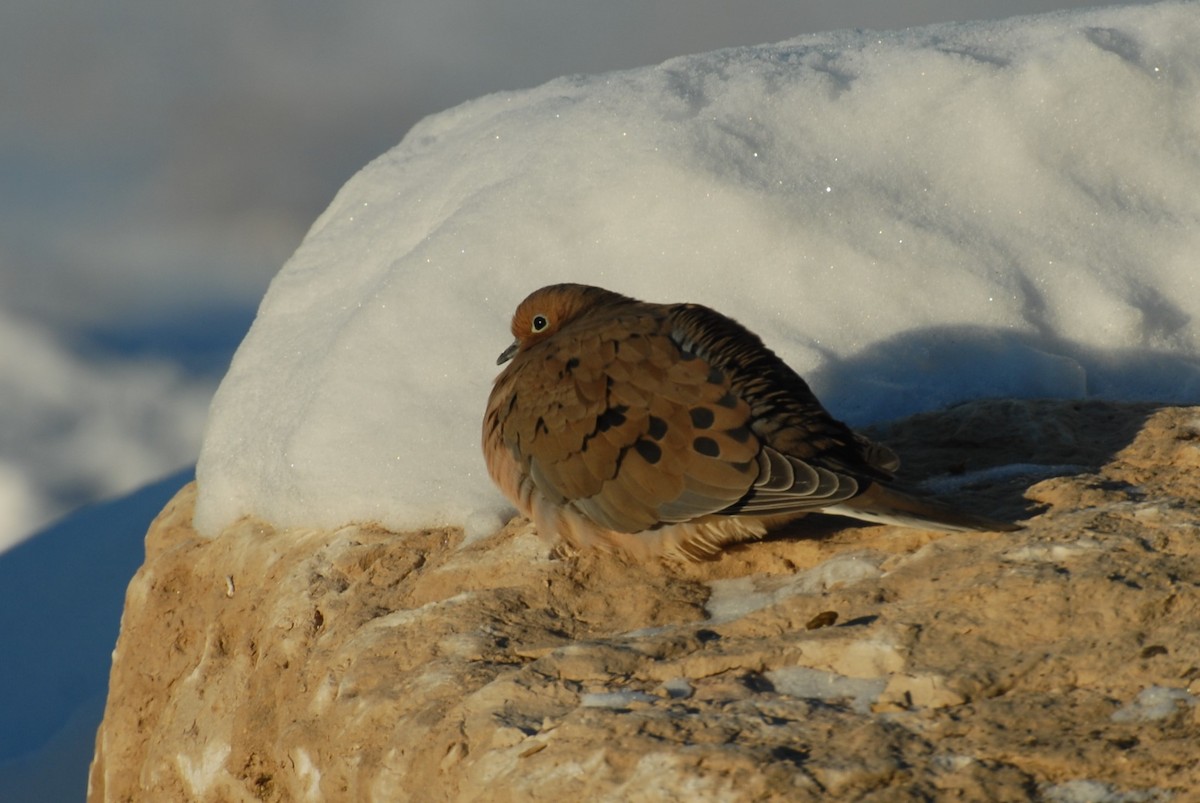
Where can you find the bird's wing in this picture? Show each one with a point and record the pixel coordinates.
(623, 422)
(613, 421)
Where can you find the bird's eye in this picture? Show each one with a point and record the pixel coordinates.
(539, 323)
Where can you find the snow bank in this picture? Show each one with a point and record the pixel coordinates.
(910, 219)
(81, 426)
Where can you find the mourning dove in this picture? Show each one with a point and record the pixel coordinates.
(671, 430)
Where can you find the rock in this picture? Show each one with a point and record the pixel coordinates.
(832, 660)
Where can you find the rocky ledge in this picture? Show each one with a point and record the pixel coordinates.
(832, 661)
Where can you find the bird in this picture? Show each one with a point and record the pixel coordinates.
(672, 431)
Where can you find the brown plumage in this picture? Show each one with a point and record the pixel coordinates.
(671, 430)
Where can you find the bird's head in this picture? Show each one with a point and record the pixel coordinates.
(546, 311)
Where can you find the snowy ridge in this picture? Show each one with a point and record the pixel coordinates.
(910, 219)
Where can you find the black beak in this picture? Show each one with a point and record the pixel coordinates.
(508, 353)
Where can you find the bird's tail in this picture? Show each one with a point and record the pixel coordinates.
(882, 505)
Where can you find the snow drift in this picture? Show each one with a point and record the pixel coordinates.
(910, 219)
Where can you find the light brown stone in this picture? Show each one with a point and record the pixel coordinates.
(368, 665)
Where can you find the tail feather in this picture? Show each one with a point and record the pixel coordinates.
(882, 505)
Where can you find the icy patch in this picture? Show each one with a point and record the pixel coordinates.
(733, 599)
(1052, 553)
(615, 699)
(813, 684)
(1153, 703)
(1099, 792)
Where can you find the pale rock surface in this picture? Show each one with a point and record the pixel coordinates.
(1061, 662)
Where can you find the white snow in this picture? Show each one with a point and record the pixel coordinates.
(899, 177)
(910, 219)
(816, 684)
(615, 699)
(160, 161)
(1087, 791)
(85, 427)
(741, 596)
(1153, 703)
